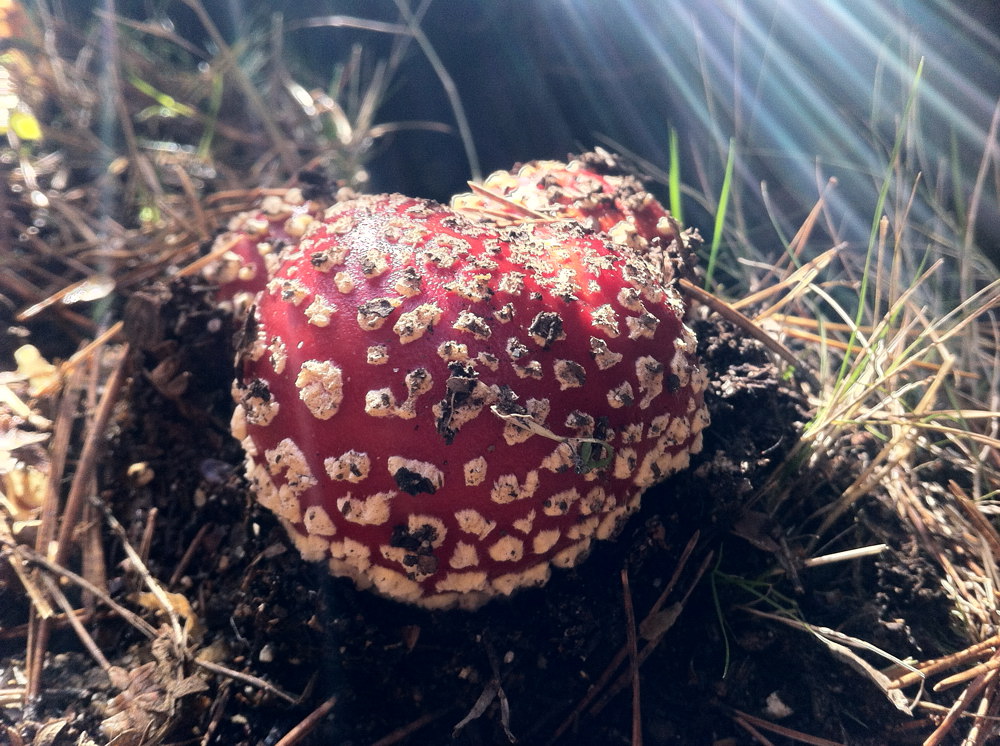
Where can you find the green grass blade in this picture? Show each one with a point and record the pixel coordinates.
(720, 215)
(167, 104)
(675, 178)
(883, 194)
(214, 107)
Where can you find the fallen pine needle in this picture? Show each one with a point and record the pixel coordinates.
(783, 731)
(748, 325)
(308, 724)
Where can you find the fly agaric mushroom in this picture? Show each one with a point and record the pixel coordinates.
(252, 241)
(594, 189)
(444, 410)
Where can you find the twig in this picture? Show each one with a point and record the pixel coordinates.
(88, 459)
(616, 662)
(845, 556)
(75, 623)
(203, 261)
(218, 709)
(246, 678)
(988, 704)
(754, 733)
(307, 724)
(38, 635)
(62, 433)
(148, 531)
(161, 596)
(185, 559)
(991, 665)
(84, 353)
(653, 641)
(37, 558)
(39, 603)
(928, 668)
(633, 656)
(412, 727)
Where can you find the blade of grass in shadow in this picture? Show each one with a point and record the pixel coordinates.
(989, 156)
(464, 131)
(214, 107)
(282, 145)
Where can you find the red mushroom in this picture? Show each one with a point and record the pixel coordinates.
(254, 238)
(445, 410)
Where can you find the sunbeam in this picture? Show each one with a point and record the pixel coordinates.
(810, 90)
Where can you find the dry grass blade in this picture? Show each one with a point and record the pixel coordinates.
(29, 556)
(794, 285)
(512, 207)
(447, 83)
(840, 646)
(790, 327)
(985, 529)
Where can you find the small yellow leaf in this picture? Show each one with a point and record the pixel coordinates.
(32, 366)
(25, 126)
(180, 605)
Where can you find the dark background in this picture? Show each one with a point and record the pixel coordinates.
(807, 89)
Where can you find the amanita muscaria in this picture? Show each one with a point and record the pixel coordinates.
(444, 410)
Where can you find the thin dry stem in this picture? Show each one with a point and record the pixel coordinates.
(632, 643)
(308, 724)
(781, 730)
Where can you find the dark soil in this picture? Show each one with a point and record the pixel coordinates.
(519, 667)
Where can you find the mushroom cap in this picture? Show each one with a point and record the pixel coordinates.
(444, 410)
(254, 239)
(594, 189)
